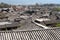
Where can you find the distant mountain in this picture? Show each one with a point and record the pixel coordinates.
(50, 5)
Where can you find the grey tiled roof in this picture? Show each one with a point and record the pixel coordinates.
(45, 34)
(13, 24)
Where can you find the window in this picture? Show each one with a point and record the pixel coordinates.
(41, 12)
(37, 21)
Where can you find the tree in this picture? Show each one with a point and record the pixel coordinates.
(4, 5)
(56, 9)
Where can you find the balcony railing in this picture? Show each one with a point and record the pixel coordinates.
(44, 34)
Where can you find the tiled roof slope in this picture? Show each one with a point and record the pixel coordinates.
(44, 34)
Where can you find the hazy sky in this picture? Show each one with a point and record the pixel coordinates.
(30, 1)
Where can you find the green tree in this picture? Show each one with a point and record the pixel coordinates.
(4, 5)
(56, 9)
